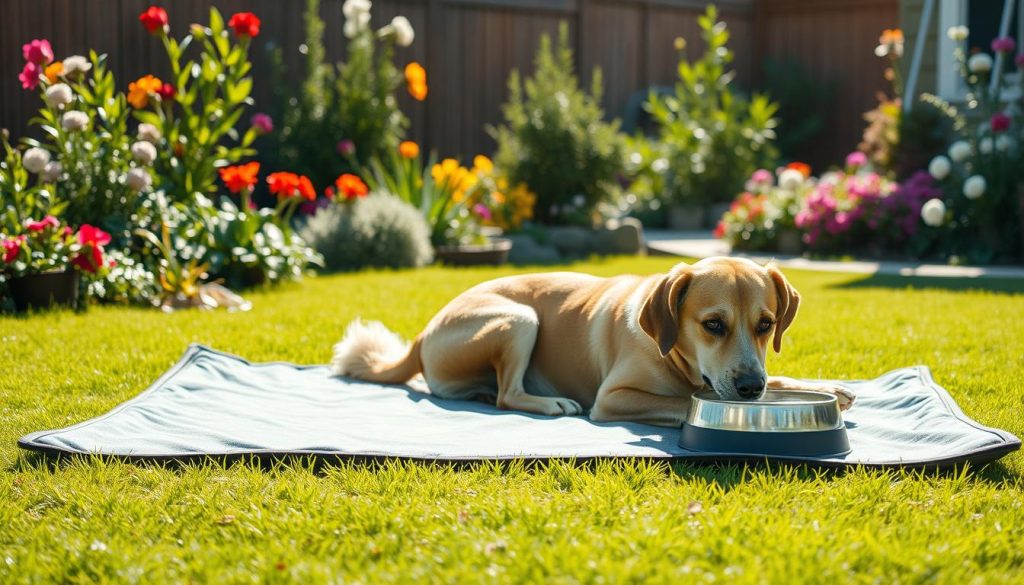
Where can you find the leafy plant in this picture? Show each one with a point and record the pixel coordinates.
(805, 105)
(345, 114)
(48, 245)
(20, 198)
(555, 139)
(714, 139)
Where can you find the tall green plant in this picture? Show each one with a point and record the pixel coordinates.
(714, 137)
(555, 139)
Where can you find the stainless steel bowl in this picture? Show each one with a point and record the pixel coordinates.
(776, 411)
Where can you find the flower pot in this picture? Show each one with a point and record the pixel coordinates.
(685, 217)
(790, 242)
(493, 253)
(43, 291)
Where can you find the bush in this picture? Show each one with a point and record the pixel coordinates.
(714, 139)
(345, 114)
(805, 105)
(765, 209)
(375, 231)
(555, 140)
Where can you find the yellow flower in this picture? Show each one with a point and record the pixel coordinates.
(140, 90)
(53, 71)
(416, 81)
(482, 164)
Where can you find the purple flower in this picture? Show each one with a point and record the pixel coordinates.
(856, 159)
(346, 147)
(1003, 45)
(481, 210)
(263, 123)
(38, 51)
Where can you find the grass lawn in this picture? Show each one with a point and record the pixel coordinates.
(89, 520)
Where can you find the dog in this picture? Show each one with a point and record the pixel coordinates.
(626, 348)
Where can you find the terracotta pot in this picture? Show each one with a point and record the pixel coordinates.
(44, 291)
(494, 253)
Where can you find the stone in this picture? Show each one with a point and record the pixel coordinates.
(625, 236)
(526, 250)
(571, 240)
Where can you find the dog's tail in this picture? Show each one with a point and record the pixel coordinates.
(370, 351)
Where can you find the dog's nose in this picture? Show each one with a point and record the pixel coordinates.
(749, 386)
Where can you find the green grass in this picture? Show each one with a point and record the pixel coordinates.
(89, 520)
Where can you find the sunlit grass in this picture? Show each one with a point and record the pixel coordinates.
(86, 520)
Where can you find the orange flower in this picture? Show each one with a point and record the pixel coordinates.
(305, 188)
(53, 71)
(283, 184)
(891, 36)
(804, 168)
(240, 177)
(416, 79)
(409, 149)
(351, 187)
(140, 90)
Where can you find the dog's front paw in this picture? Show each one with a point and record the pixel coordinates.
(845, 396)
(567, 406)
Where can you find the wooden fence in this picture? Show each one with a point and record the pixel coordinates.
(469, 47)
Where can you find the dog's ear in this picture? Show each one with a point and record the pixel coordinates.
(785, 311)
(659, 315)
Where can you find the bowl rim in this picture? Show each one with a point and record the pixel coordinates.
(816, 398)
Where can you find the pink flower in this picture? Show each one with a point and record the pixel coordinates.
(11, 248)
(263, 123)
(481, 210)
(762, 176)
(38, 51)
(856, 159)
(1020, 61)
(38, 226)
(1003, 45)
(1000, 122)
(346, 147)
(29, 76)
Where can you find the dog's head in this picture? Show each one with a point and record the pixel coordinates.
(717, 317)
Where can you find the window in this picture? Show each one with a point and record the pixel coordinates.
(983, 18)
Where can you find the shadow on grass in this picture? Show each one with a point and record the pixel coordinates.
(1013, 286)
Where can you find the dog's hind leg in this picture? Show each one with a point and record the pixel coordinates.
(490, 342)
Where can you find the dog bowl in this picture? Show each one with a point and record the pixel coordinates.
(782, 423)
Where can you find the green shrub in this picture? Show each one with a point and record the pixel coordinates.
(375, 231)
(339, 107)
(555, 140)
(714, 138)
(805, 104)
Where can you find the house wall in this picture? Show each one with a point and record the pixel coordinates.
(472, 45)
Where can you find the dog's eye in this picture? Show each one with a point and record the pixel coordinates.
(764, 325)
(714, 326)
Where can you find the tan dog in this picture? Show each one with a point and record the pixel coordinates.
(626, 348)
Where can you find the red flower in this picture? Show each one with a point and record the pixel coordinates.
(245, 24)
(38, 226)
(92, 236)
(804, 168)
(154, 19)
(329, 192)
(167, 92)
(240, 177)
(1000, 122)
(90, 259)
(29, 76)
(719, 230)
(351, 186)
(11, 248)
(305, 188)
(283, 184)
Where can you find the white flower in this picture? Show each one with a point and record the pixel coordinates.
(659, 165)
(1004, 143)
(149, 133)
(939, 167)
(933, 212)
(143, 152)
(354, 7)
(985, 145)
(791, 179)
(404, 35)
(974, 187)
(52, 172)
(74, 120)
(957, 33)
(356, 24)
(959, 151)
(58, 95)
(76, 64)
(34, 160)
(979, 63)
(138, 179)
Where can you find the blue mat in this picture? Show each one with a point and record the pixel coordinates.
(214, 404)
